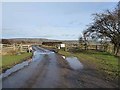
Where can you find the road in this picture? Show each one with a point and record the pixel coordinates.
(49, 70)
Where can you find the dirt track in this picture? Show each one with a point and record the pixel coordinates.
(50, 70)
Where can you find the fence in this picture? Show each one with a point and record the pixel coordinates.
(5, 48)
(107, 48)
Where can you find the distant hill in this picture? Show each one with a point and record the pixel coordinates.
(70, 41)
(40, 40)
(34, 40)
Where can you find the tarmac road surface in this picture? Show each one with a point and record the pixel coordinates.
(50, 70)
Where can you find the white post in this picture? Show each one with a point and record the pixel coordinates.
(29, 48)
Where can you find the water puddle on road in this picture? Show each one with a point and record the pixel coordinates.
(38, 55)
(42, 52)
(74, 63)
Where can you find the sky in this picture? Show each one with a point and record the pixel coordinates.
(51, 20)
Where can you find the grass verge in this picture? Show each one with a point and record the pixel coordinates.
(9, 61)
(101, 61)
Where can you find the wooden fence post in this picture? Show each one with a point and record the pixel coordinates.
(20, 47)
(14, 48)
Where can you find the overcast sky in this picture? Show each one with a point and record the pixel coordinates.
(63, 21)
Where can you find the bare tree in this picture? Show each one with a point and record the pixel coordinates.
(107, 25)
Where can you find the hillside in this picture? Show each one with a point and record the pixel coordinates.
(34, 40)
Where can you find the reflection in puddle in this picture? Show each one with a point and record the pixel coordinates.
(38, 55)
(74, 63)
(42, 52)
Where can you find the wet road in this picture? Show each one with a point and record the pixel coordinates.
(44, 71)
(47, 69)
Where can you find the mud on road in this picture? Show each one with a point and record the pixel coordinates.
(50, 70)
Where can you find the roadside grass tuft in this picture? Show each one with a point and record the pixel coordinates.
(10, 60)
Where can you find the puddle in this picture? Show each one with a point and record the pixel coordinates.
(37, 56)
(42, 52)
(49, 52)
(14, 69)
(74, 63)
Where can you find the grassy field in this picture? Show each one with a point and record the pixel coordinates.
(102, 61)
(10, 60)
